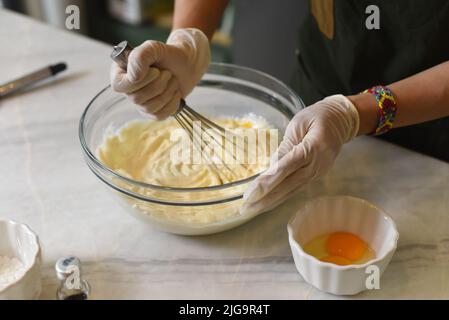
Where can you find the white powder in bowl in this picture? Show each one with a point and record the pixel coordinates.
(11, 269)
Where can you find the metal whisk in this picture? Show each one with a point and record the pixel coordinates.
(186, 117)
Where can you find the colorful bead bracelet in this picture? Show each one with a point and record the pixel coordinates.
(387, 108)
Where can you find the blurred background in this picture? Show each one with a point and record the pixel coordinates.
(261, 34)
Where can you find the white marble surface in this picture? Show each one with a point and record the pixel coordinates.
(45, 183)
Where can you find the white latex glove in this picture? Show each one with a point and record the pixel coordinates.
(176, 67)
(310, 145)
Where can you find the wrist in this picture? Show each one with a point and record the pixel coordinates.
(193, 52)
(366, 106)
(346, 116)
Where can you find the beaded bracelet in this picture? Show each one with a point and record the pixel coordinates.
(387, 108)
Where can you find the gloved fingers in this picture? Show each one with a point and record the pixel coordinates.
(284, 147)
(120, 82)
(152, 89)
(258, 207)
(294, 182)
(142, 57)
(170, 108)
(296, 158)
(156, 104)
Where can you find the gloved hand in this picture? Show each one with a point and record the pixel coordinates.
(310, 145)
(176, 67)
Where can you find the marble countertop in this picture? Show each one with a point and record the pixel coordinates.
(46, 184)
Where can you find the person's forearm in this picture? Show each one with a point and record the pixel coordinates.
(420, 98)
(201, 14)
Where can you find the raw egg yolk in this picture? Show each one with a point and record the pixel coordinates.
(346, 245)
(336, 260)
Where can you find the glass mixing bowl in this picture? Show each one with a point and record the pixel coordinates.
(225, 91)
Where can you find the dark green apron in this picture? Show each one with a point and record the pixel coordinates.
(413, 36)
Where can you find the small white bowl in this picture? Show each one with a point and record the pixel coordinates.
(341, 213)
(18, 241)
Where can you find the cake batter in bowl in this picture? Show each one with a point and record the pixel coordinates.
(225, 92)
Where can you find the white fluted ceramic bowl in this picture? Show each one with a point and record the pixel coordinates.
(341, 213)
(19, 241)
